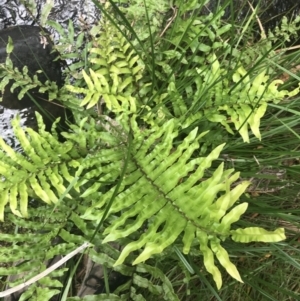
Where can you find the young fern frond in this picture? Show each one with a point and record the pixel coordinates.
(114, 73)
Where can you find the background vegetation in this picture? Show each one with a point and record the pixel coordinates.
(186, 133)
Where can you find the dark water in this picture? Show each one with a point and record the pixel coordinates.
(14, 12)
(28, 50)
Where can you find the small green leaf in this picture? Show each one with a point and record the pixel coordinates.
(70, 30)
(23, 198)
(208, 259)
(223, 258)
(223, 29)
(9, 46)
(257, 234)
(233, 215)
(88, 81)
(204, 47)
(49, 4)
(4, 199)
(13, 193)
(254, 120)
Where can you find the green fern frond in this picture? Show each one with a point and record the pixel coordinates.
(71, 47)
(165, 193)
(22, 251)
(20, 78)
(245, 102)
(114, 73)
(32, 173)
(47, 166)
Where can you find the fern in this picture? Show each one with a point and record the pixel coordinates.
(36, 173)
(168, 194)
(116, 69)
(57, 234)
(161, 185)
(45, 169)
(162, 188)
(245, 102)
(22, 251)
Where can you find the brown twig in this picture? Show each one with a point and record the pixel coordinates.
(263, 33)
(170, 21)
